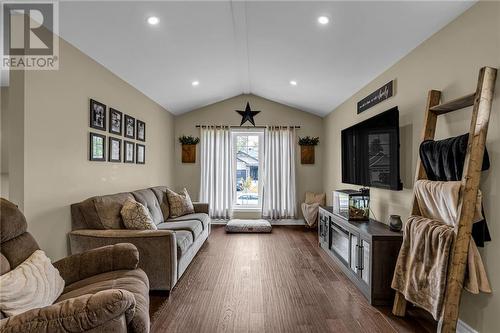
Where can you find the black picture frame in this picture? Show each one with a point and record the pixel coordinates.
(112, 149)
(140, 130)
(138, 158)
(93, 141)
(115, 119)
(128, 158)
(129, 127)
(97, 115)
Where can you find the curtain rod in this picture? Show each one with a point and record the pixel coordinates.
(219, 126)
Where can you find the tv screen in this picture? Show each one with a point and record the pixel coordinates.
(370, 152)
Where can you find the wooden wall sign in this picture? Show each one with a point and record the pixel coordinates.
(379, 95)
(307, 154)
(188, 153)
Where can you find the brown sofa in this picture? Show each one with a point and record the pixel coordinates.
(165, 253)
(104, 290)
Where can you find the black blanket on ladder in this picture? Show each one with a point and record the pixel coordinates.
(443, 160)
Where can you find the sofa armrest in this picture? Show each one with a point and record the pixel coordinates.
(201, 207)
(112, 308)
(96, 261)
(157, 250)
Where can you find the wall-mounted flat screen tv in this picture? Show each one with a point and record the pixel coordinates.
(370, 152)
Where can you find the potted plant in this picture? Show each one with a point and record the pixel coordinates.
(307, 149)
(188, 148)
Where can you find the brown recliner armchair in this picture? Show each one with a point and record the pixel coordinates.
(104, 290)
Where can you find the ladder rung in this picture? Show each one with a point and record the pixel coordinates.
(454, 105)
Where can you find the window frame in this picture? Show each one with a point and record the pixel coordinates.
(248, 132)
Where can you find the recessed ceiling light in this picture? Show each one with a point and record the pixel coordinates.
(293, 83)
(153, 20)
(195, 83)
(323, 20)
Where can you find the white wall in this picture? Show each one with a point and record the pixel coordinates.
(272, 113)
(56, 171)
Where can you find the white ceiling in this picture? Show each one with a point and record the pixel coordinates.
(235, 47)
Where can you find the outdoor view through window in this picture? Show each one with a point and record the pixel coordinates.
(247, 169)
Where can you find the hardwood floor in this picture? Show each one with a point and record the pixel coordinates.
(279, 282)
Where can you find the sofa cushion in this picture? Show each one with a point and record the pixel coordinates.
(134, 281)
(19, 249)
(179, 203)
(108, 209)
(161, 195)
(202, 217)
(194, 226)
(4, 264)
(184, 240)
(12, 221)
(149, 200)
(136, 217)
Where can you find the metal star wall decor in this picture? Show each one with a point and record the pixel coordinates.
(247, 115)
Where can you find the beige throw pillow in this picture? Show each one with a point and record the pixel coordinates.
(319, 198)
(135, 216)
(180, 203)
(33, 284)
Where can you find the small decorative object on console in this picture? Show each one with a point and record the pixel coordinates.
(352, 204)
(395, 223)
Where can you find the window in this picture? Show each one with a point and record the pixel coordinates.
(248, 161)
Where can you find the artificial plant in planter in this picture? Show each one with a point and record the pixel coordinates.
(307, 149)
(188, 148)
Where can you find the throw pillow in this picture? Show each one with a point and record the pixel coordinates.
(319, 198)
(136, 216)
(33, 284)
(180, 203)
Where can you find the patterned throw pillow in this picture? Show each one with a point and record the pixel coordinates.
(136, 216)
(180, 203)
(35, 283)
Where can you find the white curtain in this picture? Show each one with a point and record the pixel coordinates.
(279, 197)
(217, 179)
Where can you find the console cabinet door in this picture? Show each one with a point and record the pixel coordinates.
(324, 226)
(364, 257)
(355, 253)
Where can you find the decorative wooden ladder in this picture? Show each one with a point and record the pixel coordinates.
(481, 101)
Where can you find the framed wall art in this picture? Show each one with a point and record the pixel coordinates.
(128, 151)
(97, 147)
(97, 115)
(129, 127)
(115, 121)
(141, 130)
(140, 157)
(114, 150)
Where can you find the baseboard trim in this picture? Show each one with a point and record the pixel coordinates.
(288, 222)
(273, 222)
(462, 327)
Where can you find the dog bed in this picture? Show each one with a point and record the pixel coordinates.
(234, 226)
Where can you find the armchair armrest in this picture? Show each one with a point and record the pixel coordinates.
(157, 250)
(96, 261)
(201, 207)
(109, 309)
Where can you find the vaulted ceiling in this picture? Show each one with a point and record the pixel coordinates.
(259, 47)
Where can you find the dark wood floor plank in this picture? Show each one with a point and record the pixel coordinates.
(278, 282)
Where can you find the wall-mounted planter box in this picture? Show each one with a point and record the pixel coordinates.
(188, 153)
(307, 154)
